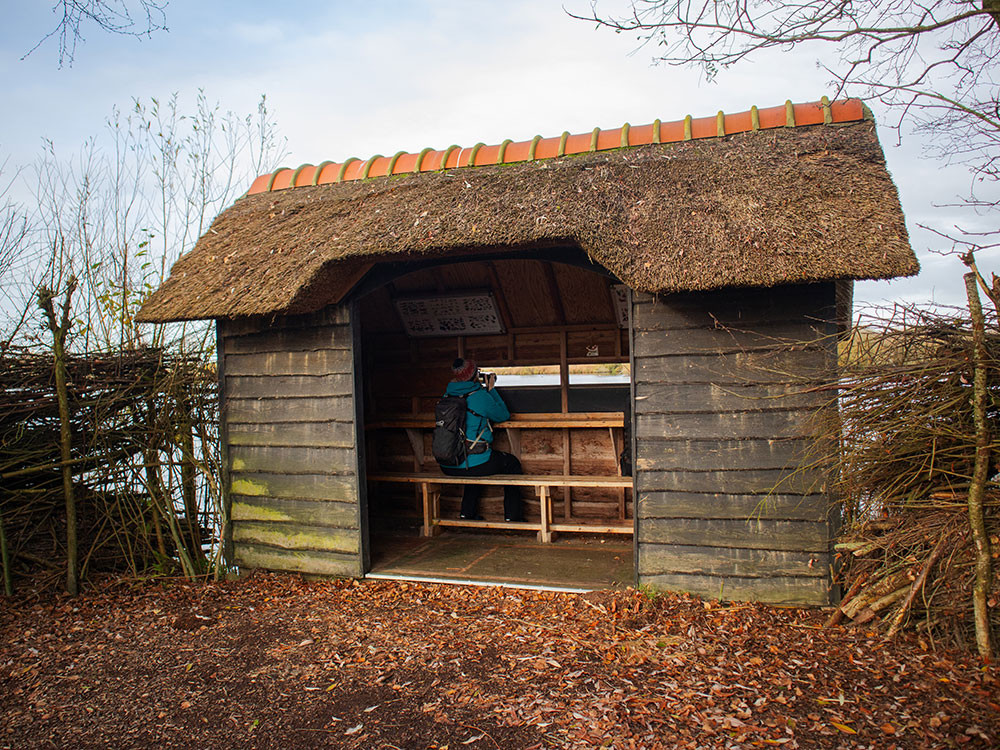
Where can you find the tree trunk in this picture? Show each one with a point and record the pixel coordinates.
(980, 472)
(59, 330)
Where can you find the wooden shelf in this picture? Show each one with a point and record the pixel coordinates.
(553, 420)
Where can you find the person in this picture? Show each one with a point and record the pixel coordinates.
(484, 406)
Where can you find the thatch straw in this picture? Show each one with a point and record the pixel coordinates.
(755, 209)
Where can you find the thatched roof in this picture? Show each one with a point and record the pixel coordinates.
(760, 208)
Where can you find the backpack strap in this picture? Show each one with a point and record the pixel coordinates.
(465, 398)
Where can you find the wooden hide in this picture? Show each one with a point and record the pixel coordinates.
(724, 417)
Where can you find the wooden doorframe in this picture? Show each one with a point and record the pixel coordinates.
(361, 471)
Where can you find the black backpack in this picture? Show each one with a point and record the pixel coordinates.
(449, 443)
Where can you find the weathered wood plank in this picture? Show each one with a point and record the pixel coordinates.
(343, 489)
(795, 367)
(759, 481)
(268, 386)
(323, 362)
(319, 434)
(738, 507)
(256, 411)
(750, 307)
(661, 559)
(325, 317)
(796, 536)
(297, 536)
(290, 339)
(291, 460)
(761, 424)
(679, 398)
(767, 337)
(705, 455)
(316, 562)
(306, 512)
(778, 590)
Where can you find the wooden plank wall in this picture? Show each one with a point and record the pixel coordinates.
(290, 439)
(723, 418)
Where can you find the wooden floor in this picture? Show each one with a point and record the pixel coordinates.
(570, 562)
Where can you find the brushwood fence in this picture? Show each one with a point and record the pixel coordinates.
(143, 462)
(906, 442)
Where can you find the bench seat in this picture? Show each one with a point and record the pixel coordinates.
(542, 484)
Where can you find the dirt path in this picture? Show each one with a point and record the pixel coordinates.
(277, 662)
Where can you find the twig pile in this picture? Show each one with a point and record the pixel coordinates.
(904, 469)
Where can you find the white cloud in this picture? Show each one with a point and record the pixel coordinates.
(348, 81)
(258, 33)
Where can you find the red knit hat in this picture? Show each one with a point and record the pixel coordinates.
(463, 369)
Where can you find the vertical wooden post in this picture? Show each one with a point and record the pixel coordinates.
(564, 371)
(425, 493)
(980, 473)
(567, 470)
(564, 391)
(545, 505)
(59, 330)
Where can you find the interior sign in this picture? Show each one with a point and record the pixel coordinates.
(470, 314)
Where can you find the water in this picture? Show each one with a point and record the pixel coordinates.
(522, 381)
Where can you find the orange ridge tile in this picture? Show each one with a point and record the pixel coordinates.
(430, 160)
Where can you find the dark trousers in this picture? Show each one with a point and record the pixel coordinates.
(498, 463)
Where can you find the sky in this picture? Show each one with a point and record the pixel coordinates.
(349, 79)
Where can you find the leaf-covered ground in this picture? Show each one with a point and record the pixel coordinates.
(278, 662)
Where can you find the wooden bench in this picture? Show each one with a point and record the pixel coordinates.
(542, 484)
(415, 426)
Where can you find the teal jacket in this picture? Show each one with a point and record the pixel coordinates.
(484, 402)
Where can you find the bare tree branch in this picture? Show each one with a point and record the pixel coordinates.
(932, 64)
(136, 18)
